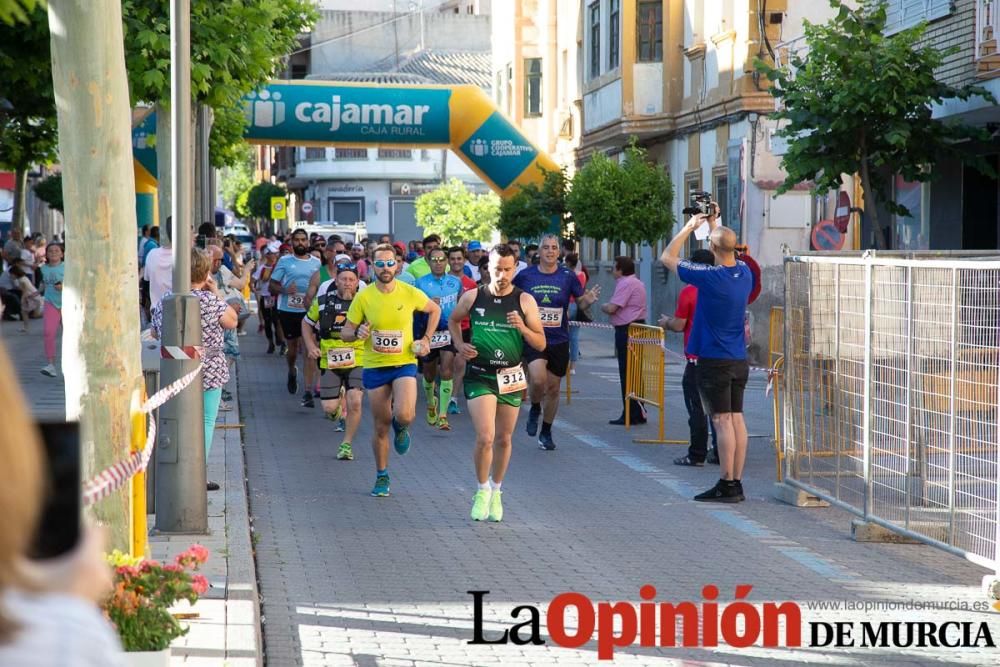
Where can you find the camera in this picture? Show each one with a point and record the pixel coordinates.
(701, 203)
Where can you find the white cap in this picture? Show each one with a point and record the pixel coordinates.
(274, 246)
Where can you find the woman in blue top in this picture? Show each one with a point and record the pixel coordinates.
(52, 285)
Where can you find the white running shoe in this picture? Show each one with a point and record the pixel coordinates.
(50, 371)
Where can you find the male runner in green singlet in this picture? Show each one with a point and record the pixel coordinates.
(502, 319)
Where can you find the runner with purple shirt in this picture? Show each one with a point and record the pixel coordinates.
(552, 286)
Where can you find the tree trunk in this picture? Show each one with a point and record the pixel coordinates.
(163, 132)
(20, 203)
(871, 206)
(204, 196)
(100, 311)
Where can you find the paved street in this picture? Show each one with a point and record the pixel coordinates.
(347, 579)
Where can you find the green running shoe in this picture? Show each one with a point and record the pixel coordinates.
(480, 505)
(432, 413)
(496, 506)
(381, 489)
(401, 440)
(345, 453)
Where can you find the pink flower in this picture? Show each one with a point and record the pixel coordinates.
(199, 552)
(194, 556)
(199, 584)
(173, 568)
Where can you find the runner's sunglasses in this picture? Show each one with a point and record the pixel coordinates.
(382, 263)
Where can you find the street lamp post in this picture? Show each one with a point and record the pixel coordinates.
(181, 501)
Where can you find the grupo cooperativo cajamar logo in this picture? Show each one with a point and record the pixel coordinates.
(709, 623)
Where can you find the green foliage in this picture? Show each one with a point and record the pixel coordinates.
(28, 130)
(50, 191)
(456, 214)
(529, 213)
(630, 202)
(259, 198)
(236, 181)
(18, 11)
(859, 101)
(236, 47)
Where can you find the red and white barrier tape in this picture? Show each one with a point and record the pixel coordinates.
(592, 325)
(114, 477)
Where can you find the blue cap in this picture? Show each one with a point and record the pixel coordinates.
(475, 245)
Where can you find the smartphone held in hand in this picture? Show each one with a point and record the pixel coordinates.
(60, 526)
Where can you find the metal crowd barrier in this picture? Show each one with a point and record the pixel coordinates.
(890, 402)
(644, 375)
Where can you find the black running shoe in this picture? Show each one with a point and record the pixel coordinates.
(270, 348)
(739, 490)
(722, 492)
(533, 421)
(293, 381)
(307, 400)
(545, 442)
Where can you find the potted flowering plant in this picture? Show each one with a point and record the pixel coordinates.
(144, 591)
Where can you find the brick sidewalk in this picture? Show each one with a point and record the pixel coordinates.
(227, 627)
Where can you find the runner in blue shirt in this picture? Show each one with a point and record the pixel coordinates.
(552, 286)
(444, 289)
(290, 281)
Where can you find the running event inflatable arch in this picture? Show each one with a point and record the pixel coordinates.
(462, 118)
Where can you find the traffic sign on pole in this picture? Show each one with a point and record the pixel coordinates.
(307, 208)
(826, 236)
(278, 211)
(842, 216)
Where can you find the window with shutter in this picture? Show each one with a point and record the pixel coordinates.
(903, 14)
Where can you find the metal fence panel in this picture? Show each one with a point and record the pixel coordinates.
(891, 401)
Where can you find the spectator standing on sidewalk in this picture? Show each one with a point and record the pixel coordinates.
(698, 421)
(158, 269)
(216, 315)
(718, 340)
(627, 306)
(53, 273)
(49, 613)
(572, 261)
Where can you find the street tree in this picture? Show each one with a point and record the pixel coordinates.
(456, 214)
(531, 211)
(235, 182)
(28, 126)
(856, 101)
(628, 202)
(236, 47)
(100, 302)
(258, 201)
(49, 190)
(17, 11)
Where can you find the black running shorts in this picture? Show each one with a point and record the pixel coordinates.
(721, 383)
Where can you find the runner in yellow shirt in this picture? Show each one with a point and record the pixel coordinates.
(339, 362)
(383, 319)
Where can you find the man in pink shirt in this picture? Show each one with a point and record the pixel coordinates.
(627, 306)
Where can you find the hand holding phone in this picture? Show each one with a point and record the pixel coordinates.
(58, 531)
(82, 572)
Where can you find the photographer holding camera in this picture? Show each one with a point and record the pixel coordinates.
(717, 339)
